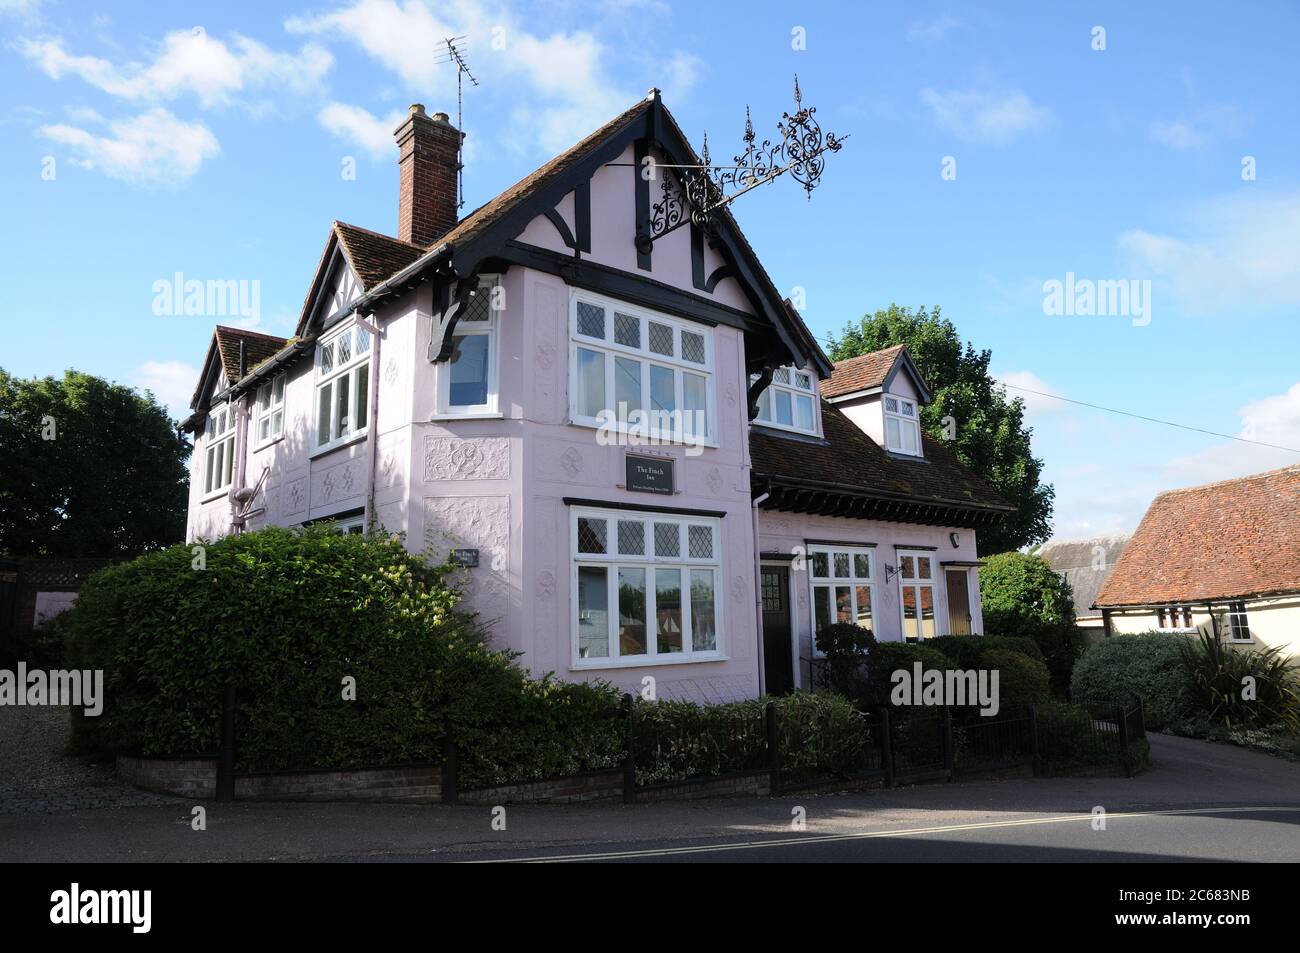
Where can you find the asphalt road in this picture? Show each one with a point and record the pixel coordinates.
(1197, 802)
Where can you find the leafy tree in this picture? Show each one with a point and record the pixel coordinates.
(991, 436)
(1023, 596)
(87, 468)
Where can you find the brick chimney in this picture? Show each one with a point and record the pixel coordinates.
(427, 167)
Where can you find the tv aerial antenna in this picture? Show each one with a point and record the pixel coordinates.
(455, 54)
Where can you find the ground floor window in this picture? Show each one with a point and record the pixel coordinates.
(841, 581)
(1238, 627)
(1174, 617)
(645, 587)
(916, 581)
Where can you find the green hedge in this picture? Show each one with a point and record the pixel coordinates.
(291, 613)
(817, 733)
(1149, 665)
(967, 650)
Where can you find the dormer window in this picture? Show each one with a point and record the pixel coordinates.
(902, 428)
(788, 401)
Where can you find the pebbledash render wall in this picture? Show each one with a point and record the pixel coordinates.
(784, 535)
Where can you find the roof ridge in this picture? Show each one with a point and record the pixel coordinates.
(249, 333)
(370, 231)
(1246, 478)
(863, 357)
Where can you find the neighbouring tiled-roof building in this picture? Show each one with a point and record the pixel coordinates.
(1085, 564)
(623, 432)
(1224, 555)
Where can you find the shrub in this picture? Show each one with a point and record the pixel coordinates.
(965, 651)
(1022, 681)
(1067, 737)
(1216, 674)
(894, 656)
(1023, 596)
(290, 614)
(43, 646)
(675, 740)
(850, 650)
(1149, 665)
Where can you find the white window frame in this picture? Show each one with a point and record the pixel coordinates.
(358, 360)
(491, 329)
(1238, 619)
(612, 350)
(917, 583)
(351, 525)
(611, 561)
(906, 423)
(270, 409)
(1175, 616)
(853, 581)
(787, 380)
(219, 451)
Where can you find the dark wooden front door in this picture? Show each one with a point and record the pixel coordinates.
(959, 617)
(775, 584)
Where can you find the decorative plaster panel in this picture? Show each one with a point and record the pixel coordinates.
(470, 458)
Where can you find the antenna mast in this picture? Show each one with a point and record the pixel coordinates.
(454, 53)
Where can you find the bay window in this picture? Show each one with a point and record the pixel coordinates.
(841, 580)
(219, 457)
(270, 410)
(902, 428)
(645, 588)
(342, 387)
(640, 372)
(916, 582)
(468, 381)
(788, 401)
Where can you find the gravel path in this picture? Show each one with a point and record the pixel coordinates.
(36, 777)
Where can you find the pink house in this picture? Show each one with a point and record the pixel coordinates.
(645, 463)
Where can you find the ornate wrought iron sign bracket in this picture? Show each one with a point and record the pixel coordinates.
(695, 193)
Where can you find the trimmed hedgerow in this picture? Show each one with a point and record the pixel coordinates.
(291, 614)
(967, 650)
(1150, 665)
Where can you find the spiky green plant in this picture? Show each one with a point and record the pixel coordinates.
(1217, 677)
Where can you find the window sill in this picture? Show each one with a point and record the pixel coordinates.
(215, 495)
(484, 415)
(650, 441)
(265, 445)
(586, 665)
(783, 428)
(339, 444)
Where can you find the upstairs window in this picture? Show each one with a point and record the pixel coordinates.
(467, 383)
(640, 372)
(342, 386)
(902, 426)
(219, 457)
(270, 410)
(788, 401)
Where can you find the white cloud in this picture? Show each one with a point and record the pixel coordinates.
(932, 31)
(1199, 129)
(985, 114)
(1270, 420)
(1240, 252)
(25, 9)
(559, 85)
(172, 382)
(153, 148)
(357, 126)
(189, 62)
(1033, 390)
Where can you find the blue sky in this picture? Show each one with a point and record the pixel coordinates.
(145, 139)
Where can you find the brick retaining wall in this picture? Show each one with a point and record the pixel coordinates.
(749, 784)
(597, 786)
(197, 778)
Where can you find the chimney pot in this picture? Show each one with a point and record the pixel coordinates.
(417, 109)
(441, 117)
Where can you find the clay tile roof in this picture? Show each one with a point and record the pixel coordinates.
(1235, 539)
(373, 256)
(1076, 560)
(850, 459)
(258, 347)
(861, 373)
(485, 215)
